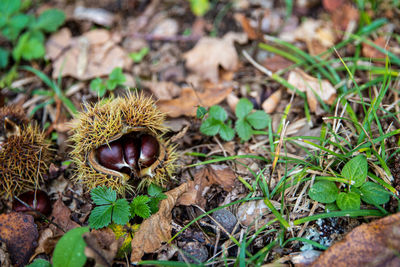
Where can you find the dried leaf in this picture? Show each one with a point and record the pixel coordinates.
(163, 90)
(373, 244)
(20, 234)
(46, 243)
(252, 211)
(342, 17)
(276, 63)
(252, 33)
(156, 229)
(270, 104)
(332, 5)
(101, 246)
(312, 86)
(91, 55)
(210, 53)
(97, 15)
(189, 100)
(371, 52)
(61, 215)
(211, 175)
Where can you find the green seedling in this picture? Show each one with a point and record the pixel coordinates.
(116, 78)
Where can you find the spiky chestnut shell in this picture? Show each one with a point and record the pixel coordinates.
(111, 120)
(24, 153)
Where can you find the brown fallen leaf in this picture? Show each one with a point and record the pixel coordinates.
(93, 54)
(163, 90)
(62, 218)
(211, 175)
(312, 86)
(276, 63)
(252, 33)
(344, 16)
(189, 100)
(20, 234)
(156, 229)
(371, 52)
(269, 105)
(210, 53)
(373, 244)
(101, 246)
(332, 5)
(46, 243)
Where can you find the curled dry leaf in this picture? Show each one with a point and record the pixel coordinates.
(206, 177)
(371, 52)
(90, 55)
(270, 104)
(156, 229)
(312, 86)
(189, 100)
(210, 53)
(20, 234)
(101, 246)
(97, 15)
(373, 244)
(163, 90)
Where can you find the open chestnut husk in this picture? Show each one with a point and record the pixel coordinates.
(36, 200)
(119, 144)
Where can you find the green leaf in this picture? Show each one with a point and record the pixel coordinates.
(98, 86)
(14, 26)
(140, 207)
(324, 192)
(121, 212)
(373, 193)
(102, 195)
(201, 112)
(49, 20)
(243, 107)
(39, 263)
(28, 48)
(100, 216)
(9, 7)
(199, 7)
(348, 201)
(259, 119)
(210, 126)
(138, 56)
(4, 55)
(243, 129)
(356, 170)
(154, 190)
(226, 132)
(155, 201)
(115, 78)
(218, 113)
(69, 251)
(331, 206)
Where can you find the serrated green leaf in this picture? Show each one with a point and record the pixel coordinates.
(140, 207)
(138, 56)
(243, 108)
(243, 129)
(69, 251)
(201, 112)
(324, 192)
(28, 48)
(218, 113)
(258, 120)
(373, 193)
(39, 263)
(4, 55)
(348, 201)
(356, 170)
(9, 7)
(210, 126)
(100, 216)
(115, 78)
(49, 20)
(102, 195)
(226, 132)
(154, 190)
(121, 212)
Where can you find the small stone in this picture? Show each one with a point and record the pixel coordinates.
(225, 218)
(194, 252)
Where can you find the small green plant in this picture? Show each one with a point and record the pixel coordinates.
(116, 78)
(355, 171)
(246, 124)
(137, 57)
(25, 31)
(199, 7)
(110, 209)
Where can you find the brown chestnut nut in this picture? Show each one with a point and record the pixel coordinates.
(111, 156)
(131, 151)
(39, 202)
(148, 151)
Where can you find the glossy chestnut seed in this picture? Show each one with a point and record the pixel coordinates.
(148, 150)
(131, 151)
(42, 203)
(111, 156)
